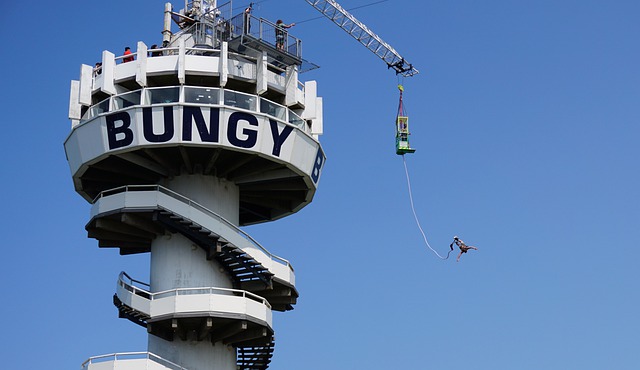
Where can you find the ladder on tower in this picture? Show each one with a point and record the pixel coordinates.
(366, 37)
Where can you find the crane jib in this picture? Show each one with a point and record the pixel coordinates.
(358, 30)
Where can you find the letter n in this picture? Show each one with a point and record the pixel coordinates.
(207, 134)
(147, 124)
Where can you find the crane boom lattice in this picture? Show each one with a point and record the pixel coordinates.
(364, 35)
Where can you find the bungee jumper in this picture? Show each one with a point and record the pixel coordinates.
(463, 247)
(402, 148)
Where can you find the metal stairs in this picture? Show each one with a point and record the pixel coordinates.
(255, 357)
(132, 230)
(126, 312)
(240, 265)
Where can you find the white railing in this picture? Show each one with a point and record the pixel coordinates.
(128, 286)
(191, 203)
(129, 281)
(130, 356)
(152, 53)
(196, 301)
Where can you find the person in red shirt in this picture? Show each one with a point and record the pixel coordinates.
(127, 51)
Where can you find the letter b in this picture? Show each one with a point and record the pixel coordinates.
(317, 167)
(113, 131)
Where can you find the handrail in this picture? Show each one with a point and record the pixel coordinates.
(177, 291)
(122, 57)
(131, 356)
(191, 203)
(132, 280)
(213, 52)
(268, 32)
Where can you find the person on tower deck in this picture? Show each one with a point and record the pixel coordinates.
(247, 19)
(128, 55)
(463, 247)
(281, 34)
(97, 70)
(155, 53)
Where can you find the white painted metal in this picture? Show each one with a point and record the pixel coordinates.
(141, 65)
(317, 125)
(74, 106)
(86, 84)
(262, 74)
(130, 361)
(223, 68)
(291, 78)
(182, 68)
(108, 65)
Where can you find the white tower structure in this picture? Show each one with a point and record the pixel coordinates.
(178, 146)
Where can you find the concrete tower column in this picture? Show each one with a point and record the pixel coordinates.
(176, 262)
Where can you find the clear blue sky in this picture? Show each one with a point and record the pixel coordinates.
(526, 117)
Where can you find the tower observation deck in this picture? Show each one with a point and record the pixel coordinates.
(178, 146)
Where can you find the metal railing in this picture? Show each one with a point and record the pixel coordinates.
(133, 281)
(145, 97)
(128, 356)
(267, 32)
(184, 291)
(191, 203)
(131, 57)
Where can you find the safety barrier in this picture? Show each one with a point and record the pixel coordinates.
(126, 282)
(209, 301)
(117, 360)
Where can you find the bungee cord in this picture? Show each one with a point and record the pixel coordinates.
(415, 216)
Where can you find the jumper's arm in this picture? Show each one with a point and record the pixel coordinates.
(360, 32)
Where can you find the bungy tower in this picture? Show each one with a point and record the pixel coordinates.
(178, 145)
